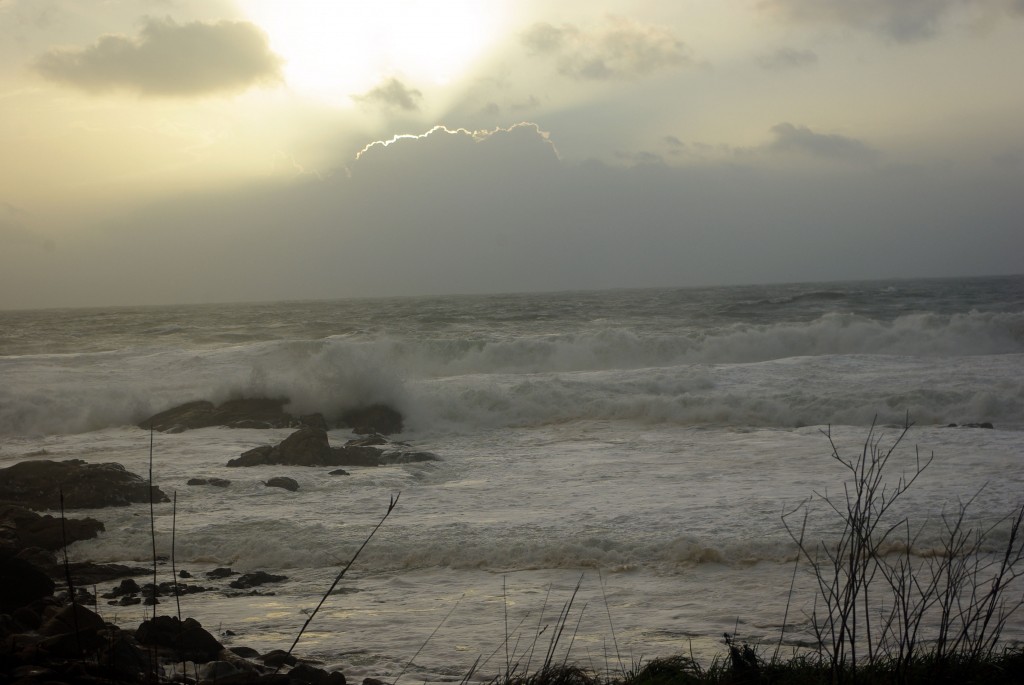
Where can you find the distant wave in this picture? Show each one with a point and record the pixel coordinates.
(838, 367)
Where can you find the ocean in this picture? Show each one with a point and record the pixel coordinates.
(643, 444)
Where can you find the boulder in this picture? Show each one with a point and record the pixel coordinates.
(285, 482)
(186, 639)
(21, 528)
(251, 580)
(37, 485)
(21, 583)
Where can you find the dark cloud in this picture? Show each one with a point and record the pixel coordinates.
(790, 138)
(788, 58)
(168, 59)
(621, 48)
(393, 94)
(455, 211)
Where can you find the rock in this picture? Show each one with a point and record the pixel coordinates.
(89, 573)
(21, 583)
(71, 618)
(244, 652)
(216, 482)
(250, 580)
(127, 587)
(21, 528)
(310, 447)
(221, 572)
(338, 472)
(305, 674)
(37, 485)
(285, 482)
(215, 670)
(400, 457)
(184, 574)
(369, 441)
(258, 412)
(305, 447)
(376, 418)
(278, 657)
(185, 639)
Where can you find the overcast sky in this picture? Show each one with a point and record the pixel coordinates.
(171, 151)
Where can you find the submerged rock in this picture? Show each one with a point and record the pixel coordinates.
(38, 484)
(216, 482)
(285, 482)
(310, 447)
(251, 580)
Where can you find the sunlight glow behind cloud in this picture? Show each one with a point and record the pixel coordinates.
(336, 50)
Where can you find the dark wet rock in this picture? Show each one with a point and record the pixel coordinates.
(376, 418)
(338, 472)
(216, 482)
(402, 457)
(21, 583)
(89, 573)
(257, 412)
(306, 674)
(187, 639)
(244, 652)
(71, 618)
(221, 572)
(21, 528)
(251, 580)
(983, 424)
(310, 447)
(285, 482)
(126, 587)
(37, 485)
(278, 657)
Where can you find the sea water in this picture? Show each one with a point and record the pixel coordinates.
(642, 445)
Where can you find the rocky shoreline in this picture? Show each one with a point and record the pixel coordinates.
(49, 633)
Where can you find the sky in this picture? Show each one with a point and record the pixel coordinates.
(184, 151)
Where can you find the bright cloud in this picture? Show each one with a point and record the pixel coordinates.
(620, 48)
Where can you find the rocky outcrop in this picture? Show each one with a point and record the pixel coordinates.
(187, 639)
(311, 447)
(238, 413)
(21, 528)
(38, 484)
(46, 640)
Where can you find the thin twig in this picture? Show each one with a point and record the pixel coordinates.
(341, 574)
